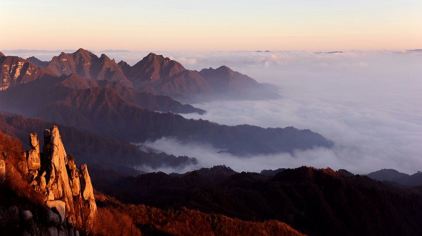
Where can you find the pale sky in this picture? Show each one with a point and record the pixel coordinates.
(211, 25)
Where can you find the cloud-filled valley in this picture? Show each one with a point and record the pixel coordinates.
(368, 103)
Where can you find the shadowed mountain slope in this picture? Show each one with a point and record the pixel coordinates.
(113, 112)
(316, 202)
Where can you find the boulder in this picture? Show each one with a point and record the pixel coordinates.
(27, 215)
(60, 208)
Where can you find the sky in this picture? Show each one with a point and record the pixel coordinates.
(211, 25)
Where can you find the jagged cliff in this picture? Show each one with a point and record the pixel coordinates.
(55, 180)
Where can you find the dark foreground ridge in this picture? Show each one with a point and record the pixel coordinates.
(316, 202)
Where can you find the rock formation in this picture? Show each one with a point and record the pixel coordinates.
(2, 170)
(54, 174)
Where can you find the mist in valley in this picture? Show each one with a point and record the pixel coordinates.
(368, 103)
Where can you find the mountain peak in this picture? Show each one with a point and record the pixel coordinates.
(153, 67)
(224, 68)
(123, 63)
(387, 175)
(37, 61)
(104, 57)
(83, 52)
(152, 57)
(2, 55)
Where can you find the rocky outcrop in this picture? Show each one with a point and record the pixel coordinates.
(54, 174)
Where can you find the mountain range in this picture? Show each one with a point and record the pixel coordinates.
(113, 101)
(154, 74)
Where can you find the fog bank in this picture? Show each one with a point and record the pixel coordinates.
(368, 103)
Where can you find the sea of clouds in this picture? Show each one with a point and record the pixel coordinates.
(368, 103)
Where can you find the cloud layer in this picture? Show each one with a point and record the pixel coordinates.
(368, 103)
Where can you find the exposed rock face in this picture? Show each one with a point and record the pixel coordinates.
(58, 179)
(16, 70)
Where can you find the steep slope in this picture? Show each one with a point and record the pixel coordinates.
(316, 202)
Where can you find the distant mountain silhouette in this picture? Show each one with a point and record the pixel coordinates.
(398, 178)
